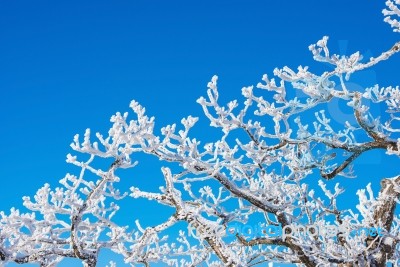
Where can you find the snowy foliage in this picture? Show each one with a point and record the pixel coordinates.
(260, 163)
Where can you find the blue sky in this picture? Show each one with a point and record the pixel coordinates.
(67, 66)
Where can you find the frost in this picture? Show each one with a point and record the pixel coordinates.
(256, 169)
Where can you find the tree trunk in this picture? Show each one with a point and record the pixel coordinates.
(383, 216)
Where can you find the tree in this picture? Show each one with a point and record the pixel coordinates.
(257, 169)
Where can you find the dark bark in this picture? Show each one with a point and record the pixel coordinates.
(383, 216)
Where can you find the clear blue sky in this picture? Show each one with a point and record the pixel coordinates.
(69, 65)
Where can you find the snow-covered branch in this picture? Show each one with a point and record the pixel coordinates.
(257, 170)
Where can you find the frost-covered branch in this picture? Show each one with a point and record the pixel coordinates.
(257, 171)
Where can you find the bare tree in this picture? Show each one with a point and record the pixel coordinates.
(255, 171)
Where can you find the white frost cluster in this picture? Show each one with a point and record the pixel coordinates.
(393, 10)
(256, 170)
